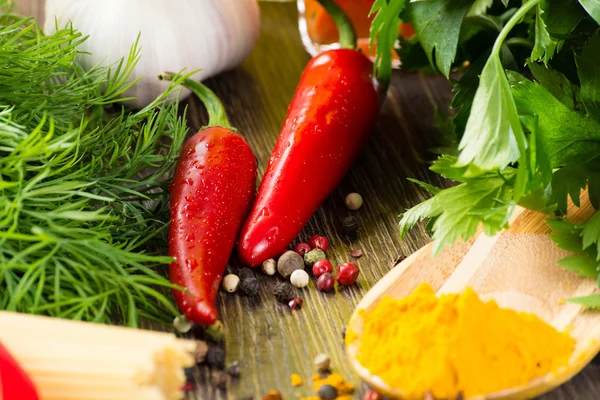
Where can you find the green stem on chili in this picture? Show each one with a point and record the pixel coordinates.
(216, 112)
(343, 23)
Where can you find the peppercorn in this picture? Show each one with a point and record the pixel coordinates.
(325, 282)
(373, 395)
(356, 253)
(296, 380)
(321, 267)
(233, 369)
(182, 324)
(218, 379)
(302, 248)
(249, 286)
(269, 267)
(313, 256)
(295, 303)
(299, 278)
(289, 262)
(246, 273)
(349, 225)
(216, 331)
(319, 242)
(189, 374)
(215, 357)
(347, 273)
(322, 362)
(354, 201)
(284, 292)
(230, 283)
(201, 351)
(327, 392)
(273, 395)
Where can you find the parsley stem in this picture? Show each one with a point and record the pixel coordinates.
(514, 20)
(343, 23)
(216, 112)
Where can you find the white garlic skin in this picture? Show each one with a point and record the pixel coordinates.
(215, 35)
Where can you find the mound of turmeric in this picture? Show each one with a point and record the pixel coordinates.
(456, 344)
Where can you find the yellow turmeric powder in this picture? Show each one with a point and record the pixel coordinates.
(343, 387)
(456, 343)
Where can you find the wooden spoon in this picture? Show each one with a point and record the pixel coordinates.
(518, 269)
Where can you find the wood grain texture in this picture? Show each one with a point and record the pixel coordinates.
(269, 341)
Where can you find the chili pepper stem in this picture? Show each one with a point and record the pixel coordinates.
(343, 23)
(216, 112)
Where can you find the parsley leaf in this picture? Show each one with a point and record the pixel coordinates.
(591, 301)
(588, 69)
(489, 140)
(384, 31)
(545, 46)
(565, 136)
(555, 82)
(591, 234)
(592, 7)
(561, 16)
(459, 210)
(437, 23)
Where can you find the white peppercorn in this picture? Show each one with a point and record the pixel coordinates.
(299, 278)
(354, 201)
(230, 283)
(182, 324)
(269, 267)
(322, 362)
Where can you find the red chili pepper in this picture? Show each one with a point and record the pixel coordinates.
(333, 111)
(14, 382)
(211, 193)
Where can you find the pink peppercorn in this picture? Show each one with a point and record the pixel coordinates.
(302, 248)
(347, 273)
(319, 242)
(321, 266)
(373, 395)
(295, 303)
(325, 282)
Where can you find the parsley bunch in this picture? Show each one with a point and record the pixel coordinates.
(526, 130)
(83, 186)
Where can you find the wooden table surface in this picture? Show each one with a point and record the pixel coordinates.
(269, 340)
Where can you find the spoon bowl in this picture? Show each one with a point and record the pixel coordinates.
(517, 268)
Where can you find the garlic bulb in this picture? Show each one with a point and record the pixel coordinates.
(215, 35)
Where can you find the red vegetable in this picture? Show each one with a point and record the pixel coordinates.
(329, 120)
(212, 190)
(14, 382)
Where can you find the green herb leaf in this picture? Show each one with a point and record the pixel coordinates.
(545, 46)
(591, 301)
(583, 265)
(589, 75)
(561, 17)
(591, 234)
(437, 23)
(566, 136)
(384, 32)
(555, 82)
(489, 140)
(592, 7)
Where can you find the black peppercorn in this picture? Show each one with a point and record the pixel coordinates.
(349, 225)
(246, 273)
(215, 357)
(284, 292)
(189, 374)
(327, 392)
(249, 286)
